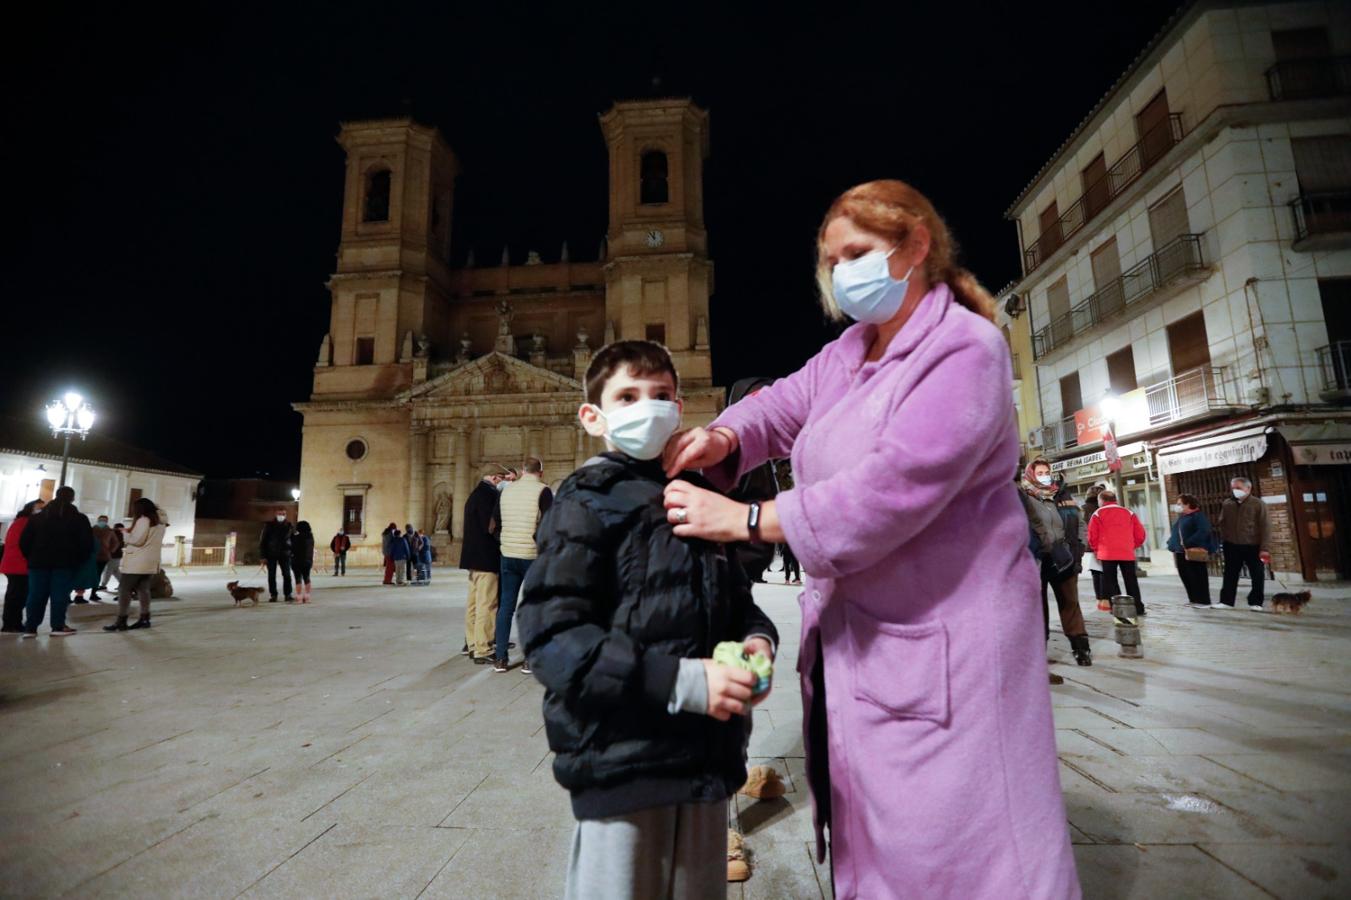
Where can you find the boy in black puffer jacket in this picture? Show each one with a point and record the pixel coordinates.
(618, 619)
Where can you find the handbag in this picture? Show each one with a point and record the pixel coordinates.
(1193, 554)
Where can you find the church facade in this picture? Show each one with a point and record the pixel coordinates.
(428, 374)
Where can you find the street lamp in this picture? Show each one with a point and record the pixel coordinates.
(70, 415)
(295, 494)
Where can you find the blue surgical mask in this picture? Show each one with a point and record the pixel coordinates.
(865, 290)
(642, 429)
(1044, 480)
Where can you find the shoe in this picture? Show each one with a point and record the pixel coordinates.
(482, 660)
(525, 667)
(63, 631)
(737, 867)
(763, 783)
(29, 634)
(464, 651)
(139, 623)
(1254, 607)
(1201, 605)
(119, 625)
(272, 600)
(500, 665)
(1229, 606)
(80, 600)
(290, 600)
(1083, 657)
(1056, 679)
(1104, 605)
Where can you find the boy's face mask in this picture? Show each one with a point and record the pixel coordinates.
(641, 429)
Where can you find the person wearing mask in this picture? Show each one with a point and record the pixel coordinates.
(424, 558)
(414, 548)
(1245, 532)
(140, 564)
(901, 435)
(14, 567)
(107, 540)
(482, 558)
(339, 546)
(1054, 550)
(1191, 542)
(1114, 534)
(387, 550)
(116, 539)
(399, 553)
(56, 542)
(302, 560)
(274, 546)
(519, 508)
(87, 574)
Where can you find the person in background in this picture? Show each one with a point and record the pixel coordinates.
(140, 564)
(519, 508)
(339, 546)
(106, 539)
(399, 551)
(756, 486)
(1245, 532)
(410, 562)
(87, 574)
(56, 542)
(482, 558)
(792, 569)
(387, 550)
(1115, 533)
(424, 559)
(302, 560)
(1191, 531)
(1054, 550)
(14, 567)
(116, 539)
(274, 546)
(1094, 565)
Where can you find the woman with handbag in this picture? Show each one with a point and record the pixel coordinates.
(1192, 542)
(1055, 554)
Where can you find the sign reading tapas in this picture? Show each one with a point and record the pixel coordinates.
(1321, 454)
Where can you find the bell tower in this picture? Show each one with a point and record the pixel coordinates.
(391, 286)
(658, 276)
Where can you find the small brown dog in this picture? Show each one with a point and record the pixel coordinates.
(1290, 604)
(243, 593)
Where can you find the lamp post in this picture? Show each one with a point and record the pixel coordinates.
(70, 415)
(1110, 406)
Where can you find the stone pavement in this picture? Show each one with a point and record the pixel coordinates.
(345, 749)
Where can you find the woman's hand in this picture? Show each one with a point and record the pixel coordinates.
(698, 513)
(696, 448)
(729, 690)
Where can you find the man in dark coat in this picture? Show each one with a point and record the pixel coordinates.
(275, 548)
(56, 542)
(481, 555)
(759, 484)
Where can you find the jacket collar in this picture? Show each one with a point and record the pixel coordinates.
(930, 311)
(650, 469)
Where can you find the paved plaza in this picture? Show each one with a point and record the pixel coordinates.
(346, 749)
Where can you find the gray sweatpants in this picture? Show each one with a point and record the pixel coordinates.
(666, 853)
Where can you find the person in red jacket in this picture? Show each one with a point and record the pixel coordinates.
(1114, 533)
(14, 567)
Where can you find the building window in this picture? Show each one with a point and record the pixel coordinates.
(376, 208)
(1071, 398)
(1096, 192)
(365, 351)
(1156, 135)
(1305, 66)
(353, 507)
(356, 449)
(1323, 169)
(1121, 371)
(1050, 239)
(1058, 306)
(132, 497)
(656, 331)
(655, 186)
(1188, 346)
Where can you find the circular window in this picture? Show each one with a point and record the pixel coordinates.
(356, 449)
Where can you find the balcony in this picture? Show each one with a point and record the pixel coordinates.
(1322, 220)
(1334, 364)
(1181, 260)
(1133, 163)
(1194, 394)
(1306, 79)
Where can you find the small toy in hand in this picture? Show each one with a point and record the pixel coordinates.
(733, 653)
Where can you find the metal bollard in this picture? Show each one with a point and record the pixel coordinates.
(1127, 629)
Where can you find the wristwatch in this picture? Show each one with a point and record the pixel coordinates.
(753, 522)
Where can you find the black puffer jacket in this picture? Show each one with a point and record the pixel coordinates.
(275, 542)
(613, 603)
(58, 537)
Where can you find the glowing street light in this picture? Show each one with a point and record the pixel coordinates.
(295, 494)
(70, 415)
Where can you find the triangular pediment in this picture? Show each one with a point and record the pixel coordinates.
(493, 375)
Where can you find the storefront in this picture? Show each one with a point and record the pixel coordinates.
(1320, 488)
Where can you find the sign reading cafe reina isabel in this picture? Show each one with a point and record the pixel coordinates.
(1228, 453)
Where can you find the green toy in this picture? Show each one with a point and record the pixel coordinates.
(733, 653)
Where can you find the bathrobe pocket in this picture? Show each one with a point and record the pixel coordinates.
(902, 669)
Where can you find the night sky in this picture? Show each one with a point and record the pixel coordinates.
(173, 186)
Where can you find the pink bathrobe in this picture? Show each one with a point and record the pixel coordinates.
(922, 603)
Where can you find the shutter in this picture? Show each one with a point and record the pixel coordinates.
(1188, 346)
(1094, 180)
(1121, 371)
(1322, 163)
(1049, 241)
(1071, 398)
(1058, 302)
(1168, 219)
(1151, 125)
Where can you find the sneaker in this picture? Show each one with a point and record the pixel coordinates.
(464, 651)
(500, 665)
(290, 600)
(1223, 606)
(1255, 607)
(525, 667)
(80, 600)
(1056, 679)
(29, 634)
(1201, 605)
(483, 660)
(272, 600)
(63, 631)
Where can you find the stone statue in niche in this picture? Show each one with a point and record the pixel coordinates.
(583, 338)
(424, 346)
(442, 514)
(532, 258)
(465, 346)
(537, 342)
(504, 316)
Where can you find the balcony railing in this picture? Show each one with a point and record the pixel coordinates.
(1321, 215)
(1334, 364)
(1196, 392)
(1304, 79)
(1132, 164)
(1179, 257)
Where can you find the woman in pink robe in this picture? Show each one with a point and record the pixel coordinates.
(934, 763)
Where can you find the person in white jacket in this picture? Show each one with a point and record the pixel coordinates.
(140, 563)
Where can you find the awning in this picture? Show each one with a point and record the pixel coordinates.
(1319, 444)
(1214, 450)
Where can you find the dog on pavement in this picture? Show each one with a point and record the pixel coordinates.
(243, 593)
(1290, 604)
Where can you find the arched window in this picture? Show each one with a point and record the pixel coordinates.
(377, 197)
(654, 184)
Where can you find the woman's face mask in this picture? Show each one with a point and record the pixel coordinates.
(1044, 480)
(865, 290)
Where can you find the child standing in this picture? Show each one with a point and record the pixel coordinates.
(424, 559)
(302, 560)
(618, 619)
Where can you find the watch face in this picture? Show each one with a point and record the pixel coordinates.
(655, 238)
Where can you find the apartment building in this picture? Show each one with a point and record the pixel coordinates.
(1187, 277)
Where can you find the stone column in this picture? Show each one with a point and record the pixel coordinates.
(461, 482)
(417, 479)
(534, 443)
